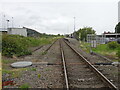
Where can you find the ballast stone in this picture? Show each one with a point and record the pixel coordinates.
(21, 64)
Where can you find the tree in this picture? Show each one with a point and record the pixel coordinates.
(117, 28)
(58, 34)
(83, 32)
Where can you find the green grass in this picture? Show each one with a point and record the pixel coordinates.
(24, 86)
(5, 61)
(115, 60)
(14, 73)
(4, 71)
(39, 75)
(19, 45)
(47, 69)
(43, 53)
(102, 49)
(32, 69)
(85, 46)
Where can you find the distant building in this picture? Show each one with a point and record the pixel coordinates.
(27, 32)
(18, 31)
(112, 35)
(32, 33)
(3, 32)
(119, 11)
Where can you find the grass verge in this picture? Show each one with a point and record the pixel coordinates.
(102, 49)
(16, 45)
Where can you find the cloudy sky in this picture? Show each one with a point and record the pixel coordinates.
(56, 16)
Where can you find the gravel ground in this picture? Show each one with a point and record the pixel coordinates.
(41, 75)
(110, 71)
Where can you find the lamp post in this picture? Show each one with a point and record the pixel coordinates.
(74, 28)
(8, 23)
(74, 24)
(3, 23)
(12, 22)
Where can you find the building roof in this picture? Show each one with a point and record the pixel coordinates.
(3, 29)
(112, 34)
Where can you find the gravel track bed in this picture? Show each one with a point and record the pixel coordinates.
(110, 71)
(80, 76)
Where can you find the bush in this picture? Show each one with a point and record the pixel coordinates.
(19, 45)
(14, 45)
(112, 45)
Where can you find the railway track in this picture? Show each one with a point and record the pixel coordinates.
(79, 72)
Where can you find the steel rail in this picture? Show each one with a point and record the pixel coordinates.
(64, 66)
(50, 46)
(103, 78)
(37, 48)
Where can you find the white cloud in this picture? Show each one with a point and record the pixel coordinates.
(57, 16)
(60, 1)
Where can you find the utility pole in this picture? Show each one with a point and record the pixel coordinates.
(4, 22)
(12, 22)
(68, 29)
(74, 24)
(74, 28)
(7, 23)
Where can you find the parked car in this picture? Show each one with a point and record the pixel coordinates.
(107, 40)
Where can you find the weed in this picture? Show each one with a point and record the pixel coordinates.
(24, 86)
(115, 60)
(48, 69)
(33, 69)
(4, 71)
(7, 61)
(118, 52)
(43, 53)
(112, 45)
(14, 73)
(85, 46)
(39, 75)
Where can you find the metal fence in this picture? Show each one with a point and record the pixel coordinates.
(94, 40)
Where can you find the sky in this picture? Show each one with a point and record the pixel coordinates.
(57, 16)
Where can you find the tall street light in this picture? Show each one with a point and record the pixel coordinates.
(8, 23)
(74, 24)
(3, 23)
(74, 28)
(12, 22)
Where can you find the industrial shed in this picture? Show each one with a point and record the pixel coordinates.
(27, 32)
(17, 31)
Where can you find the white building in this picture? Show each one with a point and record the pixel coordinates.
(119, 11)
(18, 31)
